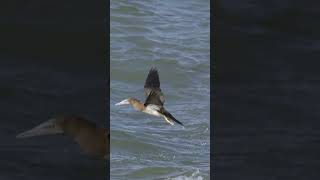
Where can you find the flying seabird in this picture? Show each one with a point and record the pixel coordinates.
(154, 99)
(92, 140)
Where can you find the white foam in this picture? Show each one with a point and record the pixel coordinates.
(194, 176)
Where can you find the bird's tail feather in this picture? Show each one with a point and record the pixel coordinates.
(170, 117)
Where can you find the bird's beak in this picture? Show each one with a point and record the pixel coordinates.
(126, 101)
(46, 128)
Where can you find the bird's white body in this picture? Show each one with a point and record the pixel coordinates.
(153, 110)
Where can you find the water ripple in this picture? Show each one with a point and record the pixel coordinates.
(174, 37)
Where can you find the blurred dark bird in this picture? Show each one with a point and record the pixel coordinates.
(92, 140)
(154, 99)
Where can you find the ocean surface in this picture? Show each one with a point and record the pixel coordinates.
(31, 93)
(50, 63)
(266, 104)
(173, 36)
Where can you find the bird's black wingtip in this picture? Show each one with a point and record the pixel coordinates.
(179, 123)
(168, 115)
(153, 69)
(152, 80)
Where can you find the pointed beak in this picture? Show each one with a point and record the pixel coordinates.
(126, 101)
(46, 128)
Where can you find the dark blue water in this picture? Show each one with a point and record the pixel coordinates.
(266, 90)
(31, 94)
(53, 60)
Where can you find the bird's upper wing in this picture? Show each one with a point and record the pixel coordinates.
(153, 98)
(152, 84)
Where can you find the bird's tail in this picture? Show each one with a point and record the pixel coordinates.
(169, 117)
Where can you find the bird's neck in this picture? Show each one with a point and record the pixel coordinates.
(80, 130)
(138, 105)
(93, 142)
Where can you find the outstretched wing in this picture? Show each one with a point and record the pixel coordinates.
(152, 84)
(153, 98)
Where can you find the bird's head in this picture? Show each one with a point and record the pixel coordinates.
(124, 102)
(131, 101)
(52, 126)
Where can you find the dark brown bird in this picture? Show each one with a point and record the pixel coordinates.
(154, 99)
(91, 139)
